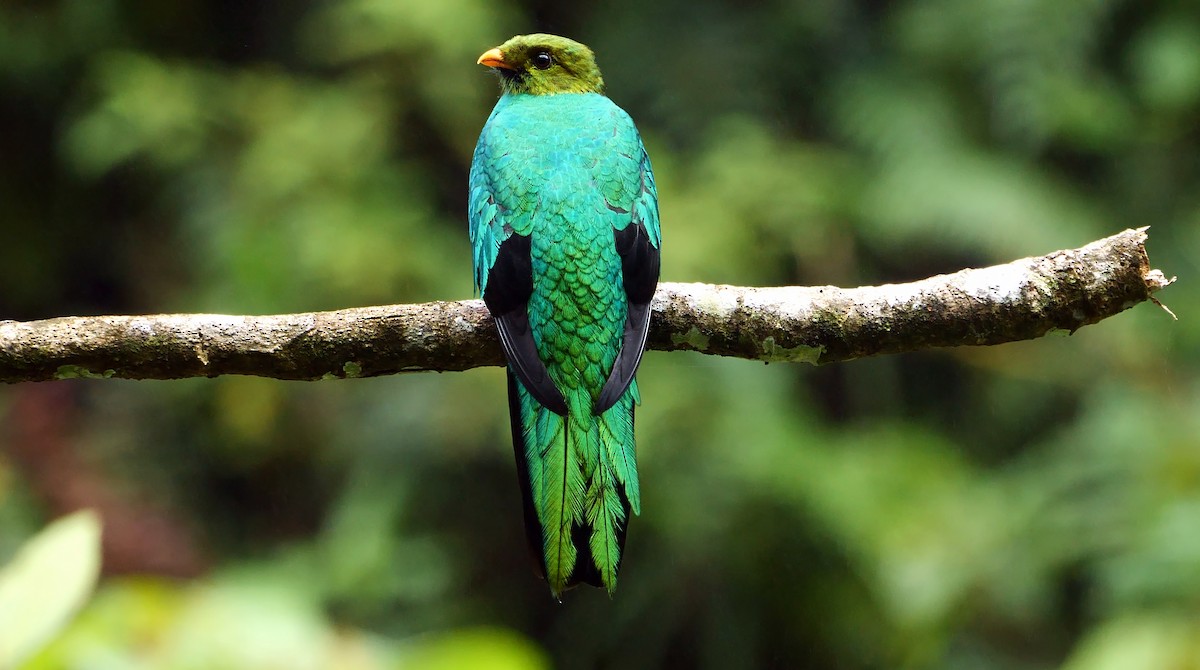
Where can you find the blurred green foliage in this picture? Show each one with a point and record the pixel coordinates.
(46, 583)
(1035, 505)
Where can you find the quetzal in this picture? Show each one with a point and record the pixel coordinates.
(565, 234)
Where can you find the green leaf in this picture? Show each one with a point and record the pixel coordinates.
(48, 580)
(482, 648)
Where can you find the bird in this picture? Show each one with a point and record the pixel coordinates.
(565, 236)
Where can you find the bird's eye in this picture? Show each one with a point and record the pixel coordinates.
(542, 60)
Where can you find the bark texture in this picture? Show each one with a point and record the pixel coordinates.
(1022, 300)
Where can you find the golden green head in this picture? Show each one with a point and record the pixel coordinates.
(542, 64)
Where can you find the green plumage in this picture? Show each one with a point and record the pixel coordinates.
(565, 235)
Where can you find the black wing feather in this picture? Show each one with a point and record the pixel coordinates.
(509, 285)
(639, 271)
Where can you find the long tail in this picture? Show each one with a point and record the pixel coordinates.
(579, 482)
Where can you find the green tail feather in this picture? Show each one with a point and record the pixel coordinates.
(605, 514)
(579, 482)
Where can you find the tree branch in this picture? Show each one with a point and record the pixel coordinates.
(1021, 300)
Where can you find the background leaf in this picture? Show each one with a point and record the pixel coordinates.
(46, 583)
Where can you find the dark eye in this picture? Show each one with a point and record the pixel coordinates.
(542, 60)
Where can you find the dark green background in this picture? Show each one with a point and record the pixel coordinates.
(1034, 505)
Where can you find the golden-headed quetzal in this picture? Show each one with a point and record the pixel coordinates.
(565, 235)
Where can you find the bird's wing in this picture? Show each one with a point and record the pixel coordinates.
(504, 277)
(638, 242)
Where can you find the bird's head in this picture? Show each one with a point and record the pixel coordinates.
(543, 64)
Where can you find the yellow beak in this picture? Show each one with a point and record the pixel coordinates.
(493, 58)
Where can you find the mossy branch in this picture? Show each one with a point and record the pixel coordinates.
(1021, 300)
